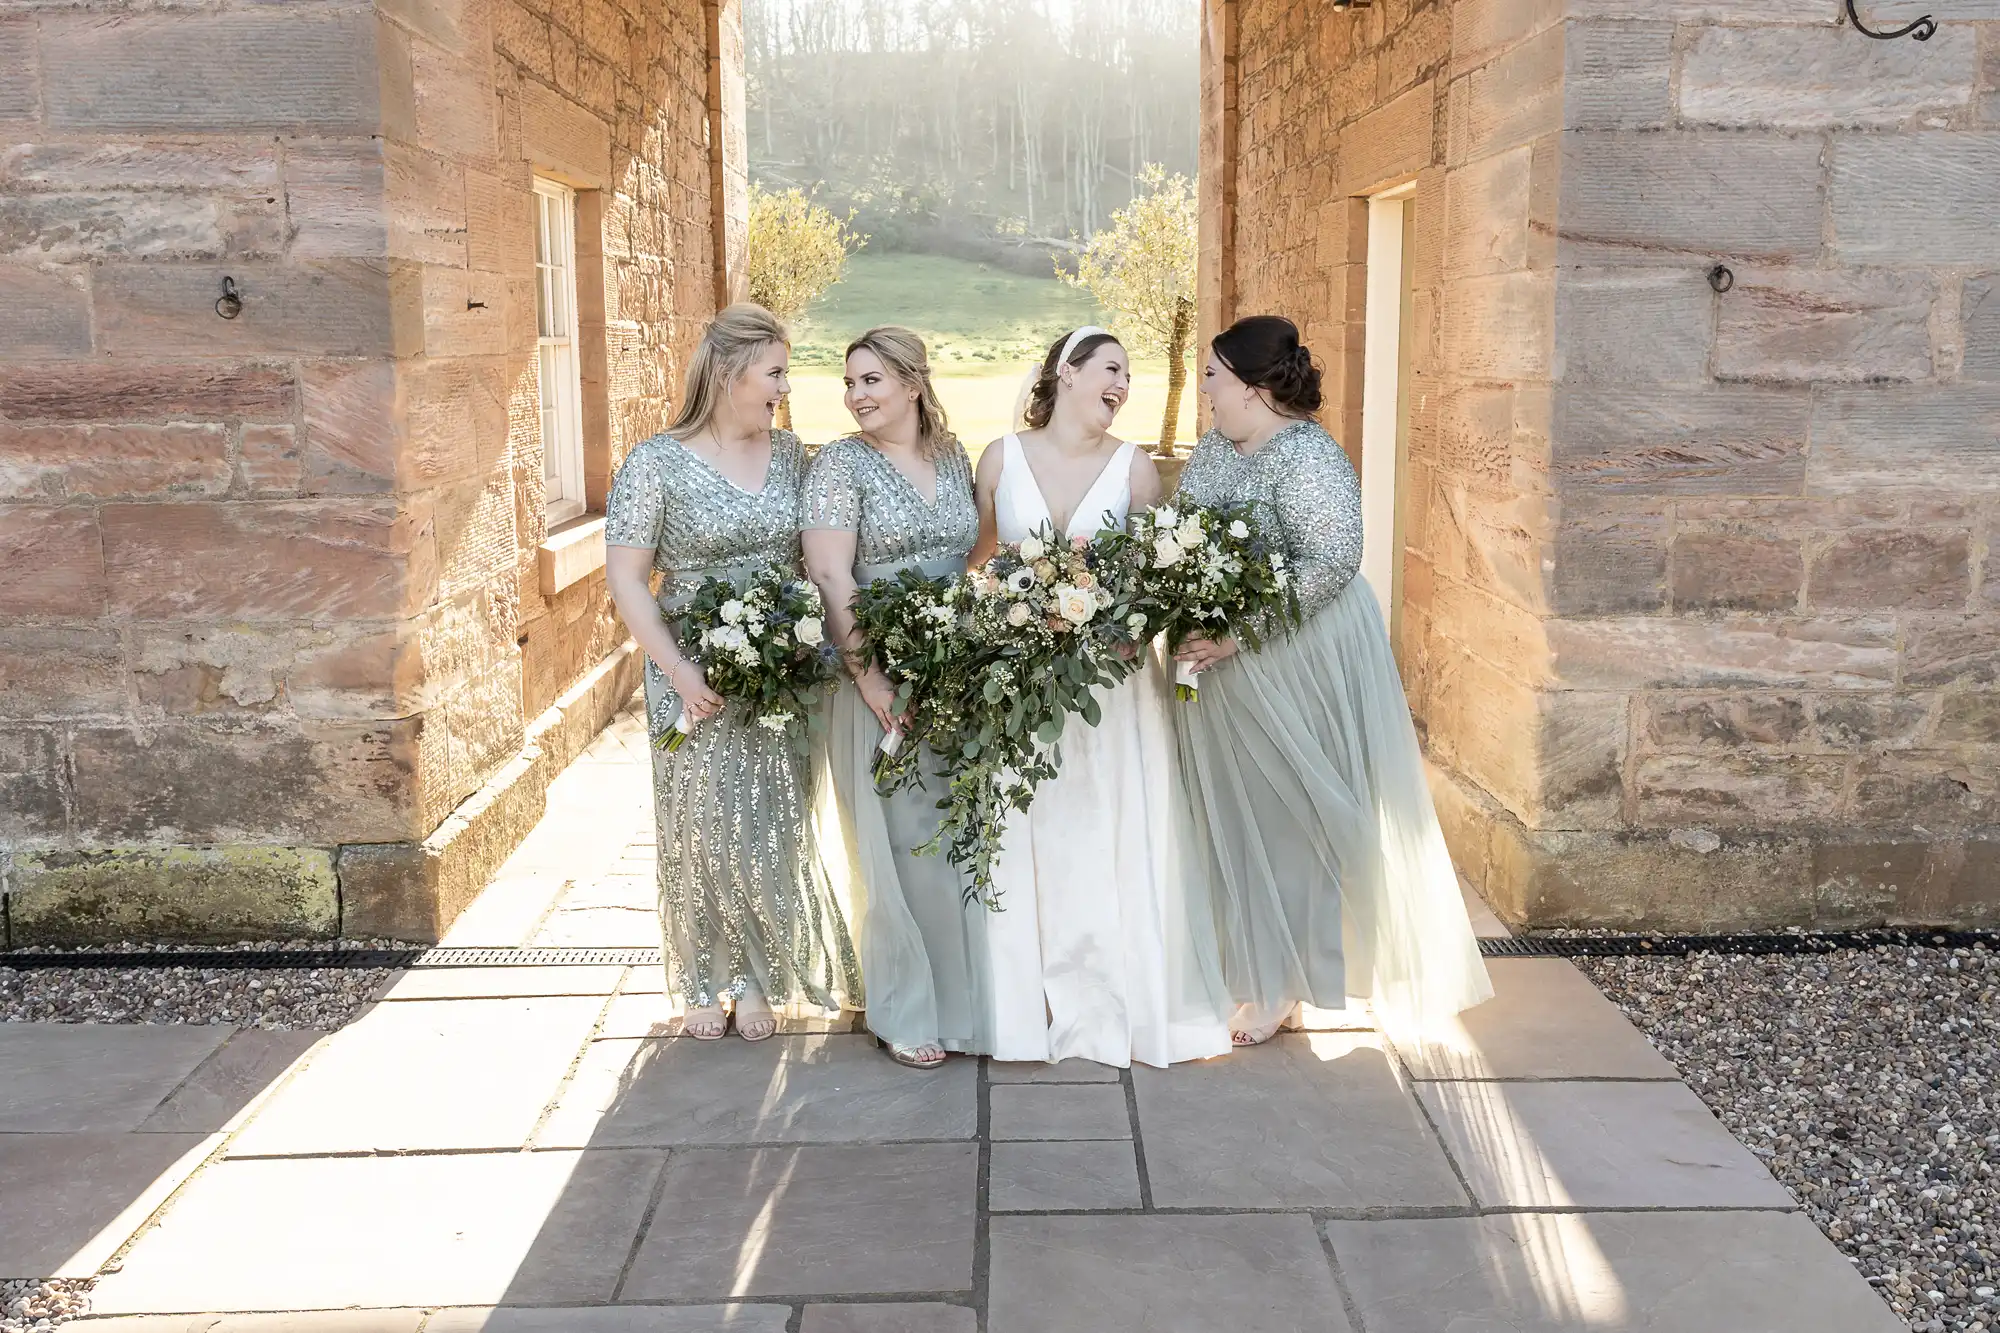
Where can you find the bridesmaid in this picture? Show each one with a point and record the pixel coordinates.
(1332, 875)
(744, 919)
(896, 495)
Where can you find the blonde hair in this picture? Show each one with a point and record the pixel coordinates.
(736, 337)
(904, 355)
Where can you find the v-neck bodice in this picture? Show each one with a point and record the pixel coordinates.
(1020, 507)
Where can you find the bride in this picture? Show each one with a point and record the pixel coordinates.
(1102, 948)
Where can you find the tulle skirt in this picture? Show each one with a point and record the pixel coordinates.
(1316, 826)
(923, 950)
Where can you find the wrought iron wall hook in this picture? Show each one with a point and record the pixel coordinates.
(1922, 30)
(229, 305)
(1721, 278)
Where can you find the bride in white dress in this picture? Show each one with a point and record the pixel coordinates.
(1103, 947)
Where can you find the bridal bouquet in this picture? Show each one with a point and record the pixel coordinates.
(1204, 571)
(1046, 624)
(763, 646)
(912, 626)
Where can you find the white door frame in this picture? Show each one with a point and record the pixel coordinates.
(1381, 398)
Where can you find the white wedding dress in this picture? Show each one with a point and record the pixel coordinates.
(1104, 945)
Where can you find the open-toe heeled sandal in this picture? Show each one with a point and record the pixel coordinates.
(911, 1057)
(757, 1025)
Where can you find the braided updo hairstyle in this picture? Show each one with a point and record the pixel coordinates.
(1042, 394)
(1264, 352)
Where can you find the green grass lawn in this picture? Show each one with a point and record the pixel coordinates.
(985, 326)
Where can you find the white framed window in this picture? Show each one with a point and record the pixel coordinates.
(555, 352)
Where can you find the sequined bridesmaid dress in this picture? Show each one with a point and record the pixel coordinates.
(741, 904)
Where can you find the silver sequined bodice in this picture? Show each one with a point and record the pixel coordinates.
(1303, 482)
(852, 487)
(669, 499)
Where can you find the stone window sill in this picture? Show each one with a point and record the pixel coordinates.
(571, 554)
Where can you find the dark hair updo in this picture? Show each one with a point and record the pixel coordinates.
(1042, 394)
(1264, 352)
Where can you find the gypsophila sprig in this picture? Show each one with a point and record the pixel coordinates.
(764, 649)
(1208, 571)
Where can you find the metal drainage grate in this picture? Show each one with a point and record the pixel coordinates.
(1679, 946)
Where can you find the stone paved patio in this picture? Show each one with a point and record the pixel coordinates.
(534, 1150)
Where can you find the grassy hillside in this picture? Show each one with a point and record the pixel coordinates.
(984, 326)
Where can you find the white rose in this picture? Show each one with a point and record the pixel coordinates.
(1076, 605)
(1167, 552)
(1167, 517)
(943, 615)
(732, 611)
(1190, 530)
(810, 632)
(1032, 548)
(1021, 580)
(1017, 614)
(1239, 530)
(1136, 623)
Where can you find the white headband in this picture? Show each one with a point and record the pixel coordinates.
(1069, 343)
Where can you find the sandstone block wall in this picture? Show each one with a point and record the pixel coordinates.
(270, 583)
(1695, 614)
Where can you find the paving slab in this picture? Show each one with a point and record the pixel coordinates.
(617, 1319)
(823, 1221)
(1307, 1120)
(292, 1321)
(805, 1089)
(1356, 1016)
(508, 912)
(434, 1074)
(1545, 1020)
(598, 928)
(1058, 1111)
(1032, 1177)
(1596, 1145)
(1161, 1274)
(646, 1012)
(70, 1078)
(1063, 1071)
(1570, 1273)
(499, 983)
(68, 1201)
(915, 1317)
(636, 891)
(330, 1233)
(249, 1065)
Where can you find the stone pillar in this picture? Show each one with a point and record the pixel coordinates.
(728, 149)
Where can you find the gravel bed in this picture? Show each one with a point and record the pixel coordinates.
(316, 998)
(1869, 1083)
(33, 1307)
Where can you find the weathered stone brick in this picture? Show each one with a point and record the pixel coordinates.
(1889, 568)
(303, 560)
(1916, 438)
(456, 112)
(216, 894)
(54, 558)
(1679, 441)
(1514, 99)
(1719, 571)
(340, 307)
(50, 672)
(1724, 721)
(1737, 790)
(1952, 650)
(465, 313)
(70, 461)
(238, 167)
(353, 426)
(364, 674)
(1500, 325)
(457, 419)
(269, 460)
(1931, 790)
(1979, 314)
(60, 228)
(1885, 190)
(425, 201)
(558, 133)
(1856, 721)
(442, 21)
(1643, 652)
(32, 808)
(1486, 226)
(1970, 717)
(1636, 325)
(1708, 11)
(335, 191)
(48, 312)
(1666, 198)
(112, 392)
(20, 88)
(1618, 76)
(1814, 77)
(1610, 561)
(157, 71)
(1820, 325)
(340, 782)
(1484, 29)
